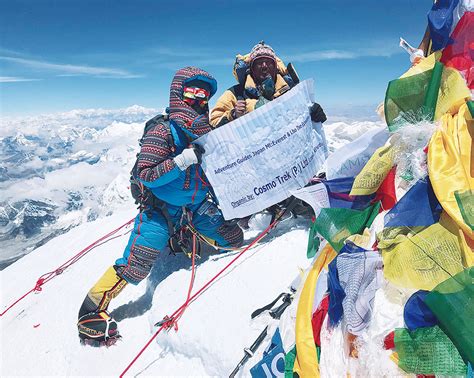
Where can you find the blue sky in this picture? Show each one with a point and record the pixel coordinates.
(63, 55)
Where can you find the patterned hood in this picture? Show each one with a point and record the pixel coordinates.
(183, 114)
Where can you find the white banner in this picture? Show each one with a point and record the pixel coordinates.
(255, 161)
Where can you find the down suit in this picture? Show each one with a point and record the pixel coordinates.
(183, 194)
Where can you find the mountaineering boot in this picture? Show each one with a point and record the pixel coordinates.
(109, 286)
(97, 329)
(95, 326)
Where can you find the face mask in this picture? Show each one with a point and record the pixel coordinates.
(199, 109)
(267, 88)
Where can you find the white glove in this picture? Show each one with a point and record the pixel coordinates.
(186, 158)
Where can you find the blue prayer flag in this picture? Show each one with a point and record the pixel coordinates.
(418, 207)
(440, 22)
(338, 192)
(416, 313)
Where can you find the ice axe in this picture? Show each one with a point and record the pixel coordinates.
(292, 72)
(275, 314)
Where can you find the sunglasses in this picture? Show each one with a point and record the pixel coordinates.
(193, 95)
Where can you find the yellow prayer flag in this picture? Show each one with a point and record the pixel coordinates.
(306, 362)
(374, 172)
(467, 253)
(423, 260)
(451, 163)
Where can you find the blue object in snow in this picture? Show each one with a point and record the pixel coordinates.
(336, 295)
(273, 362)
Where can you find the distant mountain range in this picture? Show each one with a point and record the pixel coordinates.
(57, 171)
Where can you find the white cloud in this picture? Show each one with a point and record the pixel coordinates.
(71, 69)
(48, 125)
(175, 58)
(15, 79)
(173, 52)
(320, 55)
(198, 62)
(170, 58)
(58, 183)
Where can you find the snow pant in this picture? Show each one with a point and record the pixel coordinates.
(150, 236)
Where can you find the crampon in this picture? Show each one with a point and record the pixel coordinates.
(101, 343)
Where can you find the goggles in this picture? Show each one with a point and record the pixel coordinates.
(192, 95)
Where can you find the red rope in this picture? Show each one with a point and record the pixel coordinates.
(196, 187)
(169, 321)
(203, 182)
(173, 322)
(50, 275)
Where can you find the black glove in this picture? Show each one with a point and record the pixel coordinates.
(199, 151)
(317, 113)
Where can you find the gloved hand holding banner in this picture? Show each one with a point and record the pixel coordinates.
(255, 161)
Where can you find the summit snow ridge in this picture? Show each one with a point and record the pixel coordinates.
(211, 333)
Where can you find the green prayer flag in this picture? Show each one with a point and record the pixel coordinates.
(465, 201)
(412, 99)
(470, 106)
(313, 242)
(427, 351)
(452, 301)
(404, 99)
(336, 224)
(431, 96)
(290, 358)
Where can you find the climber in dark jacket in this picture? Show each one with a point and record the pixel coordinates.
(262, 77)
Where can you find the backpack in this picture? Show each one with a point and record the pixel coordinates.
(140, 193)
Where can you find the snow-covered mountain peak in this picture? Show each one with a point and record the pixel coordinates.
(65, 160)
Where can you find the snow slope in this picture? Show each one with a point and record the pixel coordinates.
(39, 335)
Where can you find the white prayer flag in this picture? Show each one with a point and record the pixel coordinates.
(315, 195)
